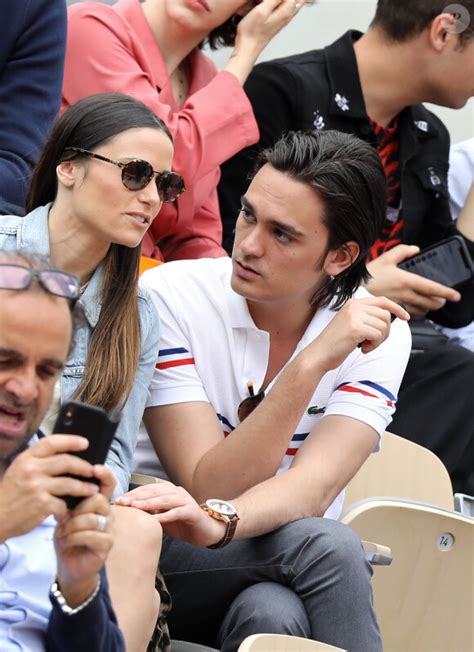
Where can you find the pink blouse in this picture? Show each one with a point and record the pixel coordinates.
(112, 49)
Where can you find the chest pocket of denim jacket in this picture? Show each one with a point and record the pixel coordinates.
(73, 371)
(434, 179)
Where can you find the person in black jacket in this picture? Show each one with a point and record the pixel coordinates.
(53, 588)
(372, 85)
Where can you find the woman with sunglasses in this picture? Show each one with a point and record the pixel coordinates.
(99, 183)
(151, 49)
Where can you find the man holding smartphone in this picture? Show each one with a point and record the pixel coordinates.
(374, 85)
(53, 589)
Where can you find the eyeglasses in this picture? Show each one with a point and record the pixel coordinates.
(137, 174)
(248, 405)
(18, 277)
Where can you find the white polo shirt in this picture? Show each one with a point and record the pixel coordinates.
(211, 349)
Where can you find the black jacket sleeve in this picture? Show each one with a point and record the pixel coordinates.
(93, 629)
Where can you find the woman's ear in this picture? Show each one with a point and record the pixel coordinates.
(67, 173)
(337, 260)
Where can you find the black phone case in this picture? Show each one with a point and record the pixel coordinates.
(447, 262)
(77, 418)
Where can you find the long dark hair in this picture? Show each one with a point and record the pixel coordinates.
(114, 348)
(348, 176)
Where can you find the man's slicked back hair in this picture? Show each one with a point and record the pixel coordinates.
(348, 176)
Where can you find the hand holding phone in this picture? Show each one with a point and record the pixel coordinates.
(93, 423)
(447, 262)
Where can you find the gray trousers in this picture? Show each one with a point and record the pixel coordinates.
(309, 578)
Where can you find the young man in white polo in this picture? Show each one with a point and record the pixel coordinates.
(272, 387)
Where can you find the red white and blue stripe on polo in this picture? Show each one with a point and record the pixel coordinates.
(177, 357)
(368, 388)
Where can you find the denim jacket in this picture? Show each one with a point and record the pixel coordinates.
(30, 234)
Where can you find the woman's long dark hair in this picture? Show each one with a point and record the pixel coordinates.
(114, 348)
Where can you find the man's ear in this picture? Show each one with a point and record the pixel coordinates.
(444, 30)
(66, 172)
(337, 260)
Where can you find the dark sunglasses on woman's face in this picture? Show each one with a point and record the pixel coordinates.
(19, 277)
(137, 174)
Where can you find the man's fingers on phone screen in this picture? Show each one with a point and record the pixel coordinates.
(58, 444)
(420, 304)
(63, 463)
(62, 486)
(432, 289)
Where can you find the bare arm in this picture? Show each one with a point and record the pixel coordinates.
(232, 465)
(255, 31)
(323, 466)
(254, 450)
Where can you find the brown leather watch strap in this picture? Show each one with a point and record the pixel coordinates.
(231, 525)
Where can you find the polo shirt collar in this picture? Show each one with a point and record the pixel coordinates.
(240, 317)
(347, 99)
(238, 308)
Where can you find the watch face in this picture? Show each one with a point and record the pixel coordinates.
(221, 506)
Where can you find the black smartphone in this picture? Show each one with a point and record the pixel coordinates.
(77, 418)
(447, 262)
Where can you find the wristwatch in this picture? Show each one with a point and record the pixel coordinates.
(221, 510)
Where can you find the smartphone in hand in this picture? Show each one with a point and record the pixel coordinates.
(447, 262)
(93, 423)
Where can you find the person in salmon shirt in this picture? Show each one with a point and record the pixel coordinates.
(151, 50)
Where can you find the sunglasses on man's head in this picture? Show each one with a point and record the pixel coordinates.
(19, 277)
(137, 174)
(248, 405)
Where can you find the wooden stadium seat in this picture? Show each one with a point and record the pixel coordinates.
(282, 643)
(424, 601)
(148, 263)
(405, 470)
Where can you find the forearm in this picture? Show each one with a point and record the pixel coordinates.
(279, 500)
(242, 61)
(254, 450)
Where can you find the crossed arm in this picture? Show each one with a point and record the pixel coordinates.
(188, 436)
(326, 462)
